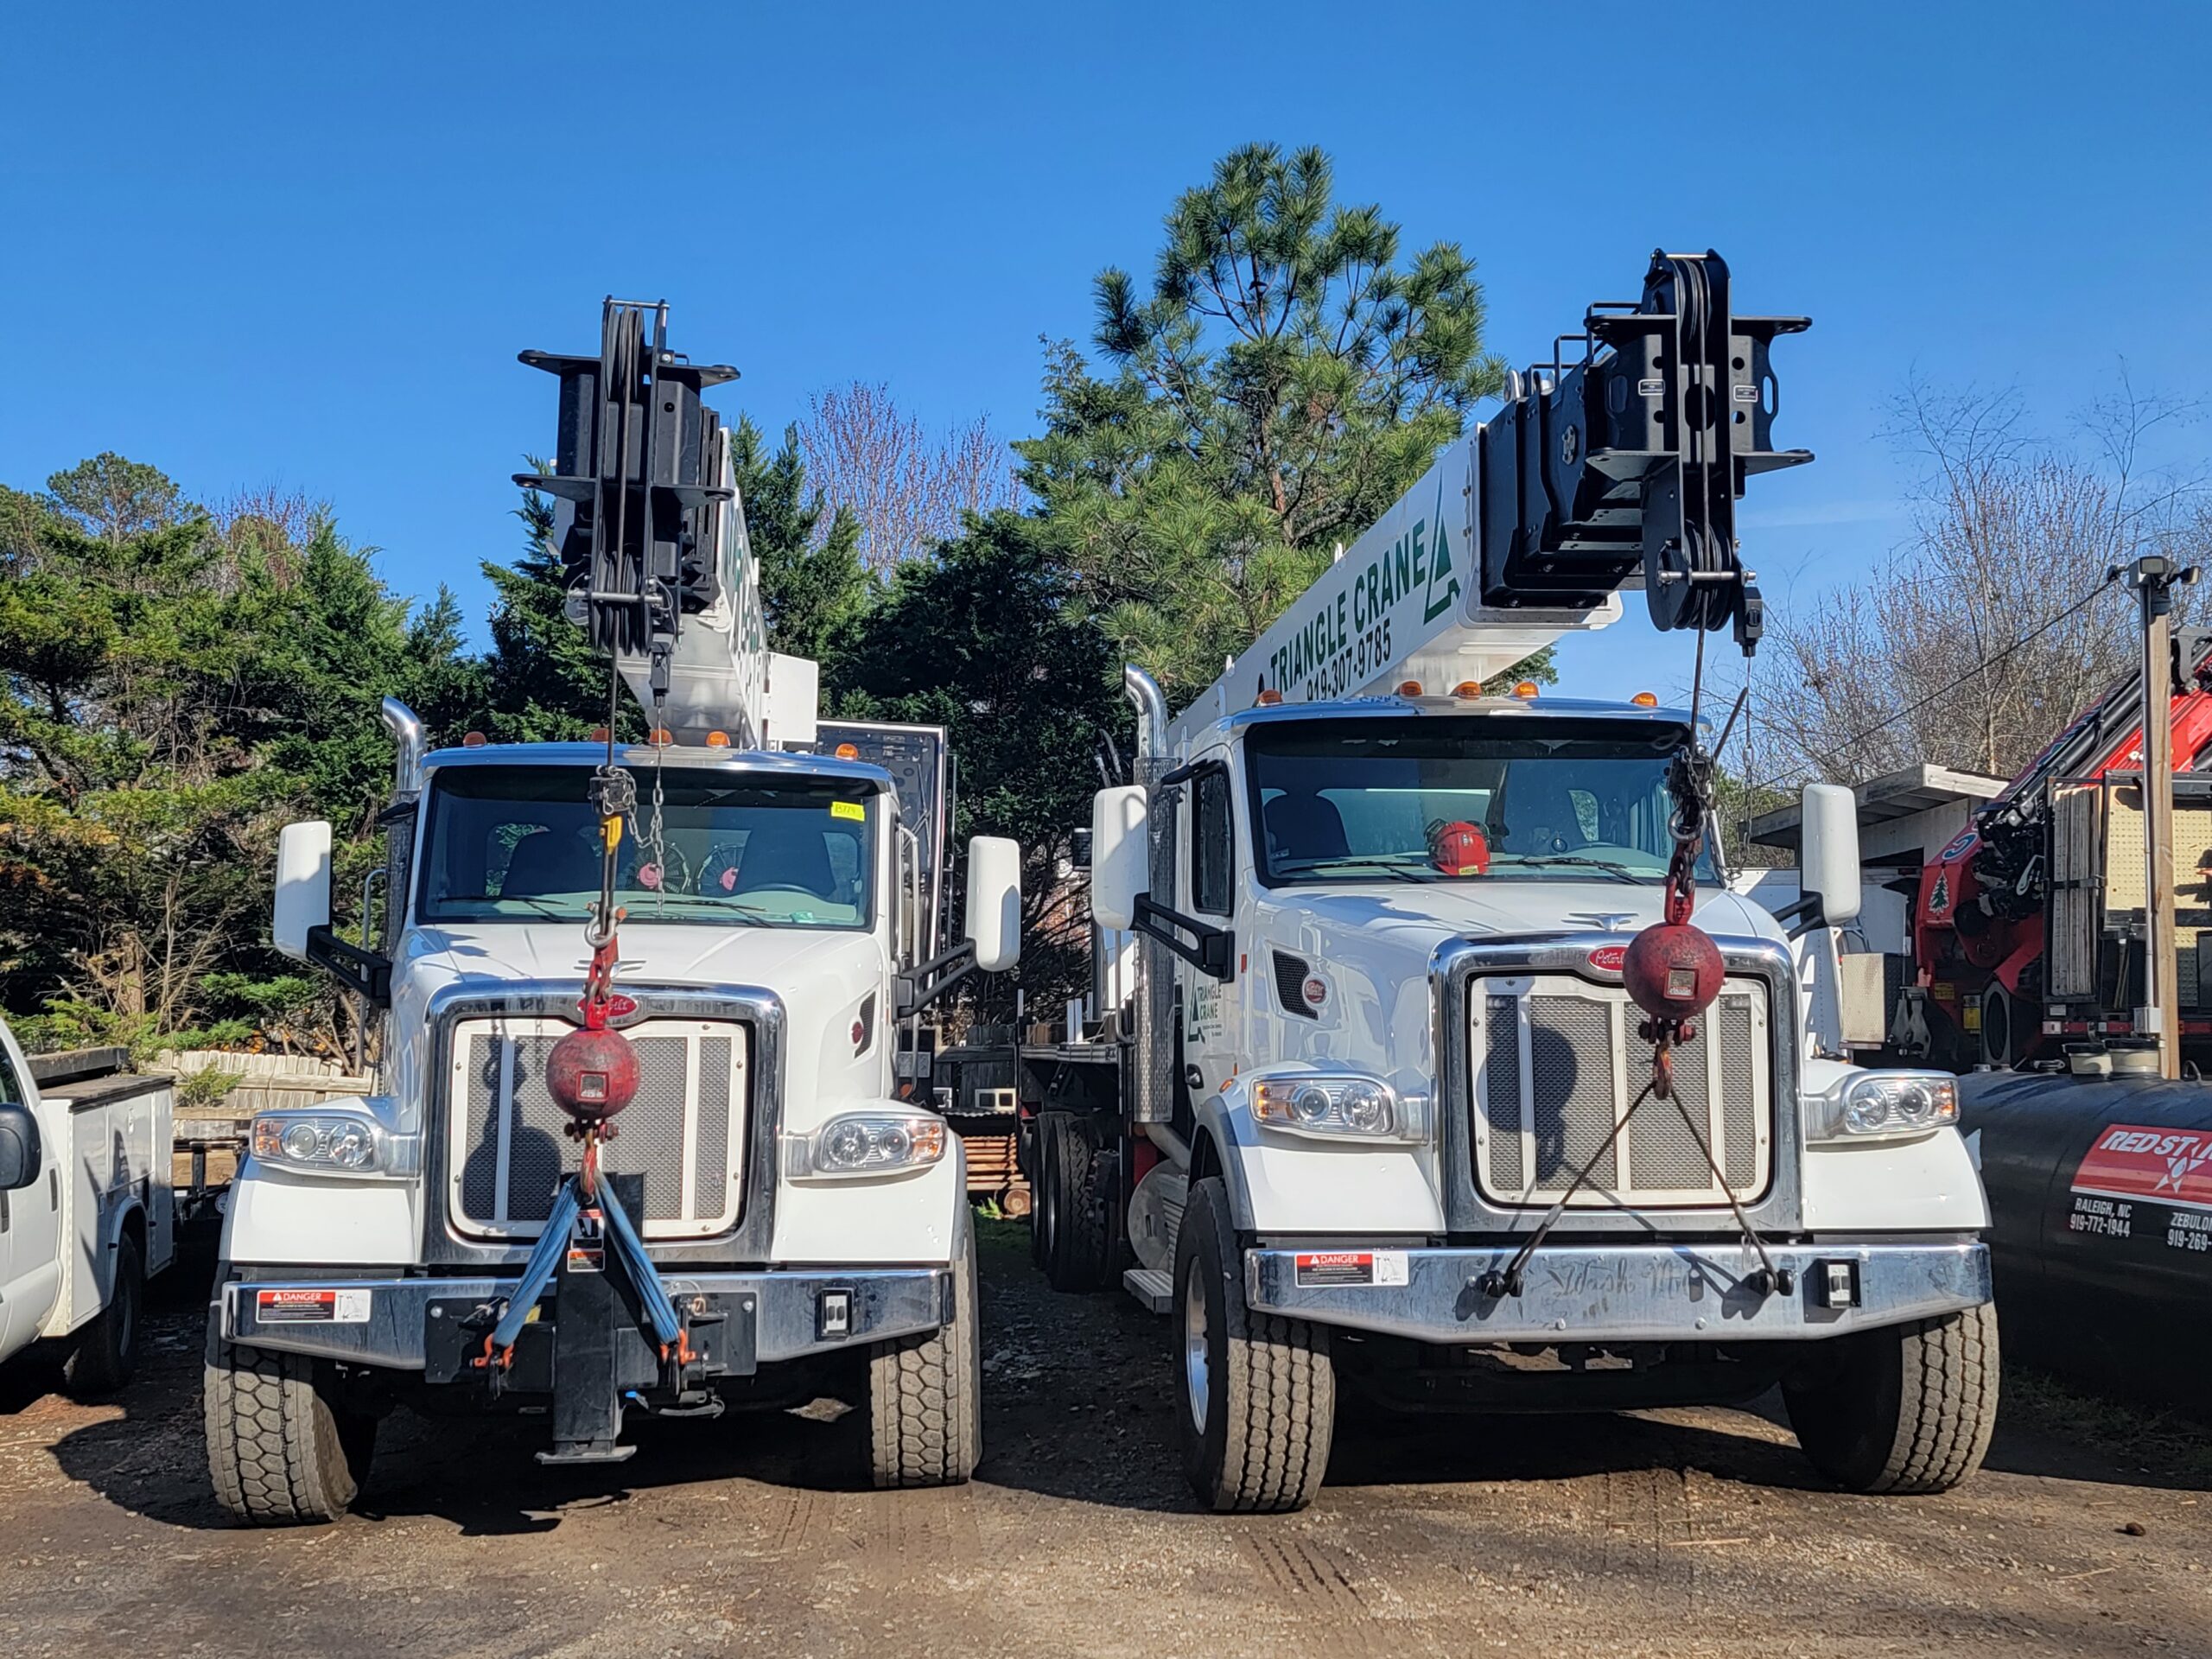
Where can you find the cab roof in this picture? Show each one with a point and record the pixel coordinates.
(642, 759)
(1493, 708)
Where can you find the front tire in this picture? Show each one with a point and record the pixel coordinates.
(1906, 1409)
(1255, 1394)
(106, 1353)
(280, 1452)
(925, 1424)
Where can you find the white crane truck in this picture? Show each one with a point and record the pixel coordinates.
(1362, 1114)
(766, 1205)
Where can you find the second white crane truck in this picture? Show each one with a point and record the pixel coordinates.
(1439, 1067)
(636, 1145)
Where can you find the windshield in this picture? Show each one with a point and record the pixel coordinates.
(1431, 800)
(521, 844)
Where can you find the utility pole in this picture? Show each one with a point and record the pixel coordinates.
(2153, 578)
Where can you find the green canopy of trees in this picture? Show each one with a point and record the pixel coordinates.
(176, 683)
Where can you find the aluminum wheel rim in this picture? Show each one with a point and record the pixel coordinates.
(1198, 1361)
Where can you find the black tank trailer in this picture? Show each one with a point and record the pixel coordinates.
(2100, 1199)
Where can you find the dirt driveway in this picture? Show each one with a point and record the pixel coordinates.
(1673, 1533)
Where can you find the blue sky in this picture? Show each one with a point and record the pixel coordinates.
(300, 245)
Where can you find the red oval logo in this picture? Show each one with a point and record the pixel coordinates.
(1317, 992)
(619, 1006)
(1608, 958)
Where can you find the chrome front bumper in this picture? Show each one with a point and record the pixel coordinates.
(1610, 1292)
(385, 1322)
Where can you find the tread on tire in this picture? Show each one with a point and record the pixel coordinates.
(1907, 1409)
(279, 1452)
(1271, 1402)
(1081, 1245)
(926, 1393)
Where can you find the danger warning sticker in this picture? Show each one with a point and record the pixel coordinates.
(312, 1306)
(2172, 1167)
(1319, 1268)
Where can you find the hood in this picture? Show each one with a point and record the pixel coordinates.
(1420, 918)
(775, 957)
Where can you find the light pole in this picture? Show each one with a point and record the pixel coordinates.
(2154, 578)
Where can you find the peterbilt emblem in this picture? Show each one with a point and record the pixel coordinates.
(1608, 958)
(1315, 991)
(621, 1011)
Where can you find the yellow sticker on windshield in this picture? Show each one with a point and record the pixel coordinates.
(847, 809)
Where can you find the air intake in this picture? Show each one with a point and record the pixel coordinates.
(1291, 975)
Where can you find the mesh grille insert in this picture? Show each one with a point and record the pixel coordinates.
(1539, 1121)
(510, 1155)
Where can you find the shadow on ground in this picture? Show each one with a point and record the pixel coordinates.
(1078, 1407)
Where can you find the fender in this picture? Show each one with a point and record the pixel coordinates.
(1287, 1184)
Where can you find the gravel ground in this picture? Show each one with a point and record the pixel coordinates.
(1671, 1532)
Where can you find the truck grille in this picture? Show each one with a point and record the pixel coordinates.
(684, 1133)
(1556, 1061)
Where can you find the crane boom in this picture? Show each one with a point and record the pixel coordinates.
(1617, 471)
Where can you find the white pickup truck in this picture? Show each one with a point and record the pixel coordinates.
(84, 1210)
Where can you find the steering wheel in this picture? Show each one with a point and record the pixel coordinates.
(676, 869)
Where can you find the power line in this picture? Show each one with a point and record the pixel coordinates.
(2073, 610)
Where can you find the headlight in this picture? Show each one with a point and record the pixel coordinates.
(1339, 1108)
(1885, 1104)
(356, 1140)
(868, 1143)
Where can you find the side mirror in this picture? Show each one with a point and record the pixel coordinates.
(1827, 851)
(303, 886)
(19, 1148)
(994, 902)
(1120, 855)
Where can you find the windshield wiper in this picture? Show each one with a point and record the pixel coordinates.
(545, 906)
(1389, 863)
(1619, 871)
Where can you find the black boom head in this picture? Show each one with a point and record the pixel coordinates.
(1622, 469)
(642, 468)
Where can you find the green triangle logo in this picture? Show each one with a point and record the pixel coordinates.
(1434, 604)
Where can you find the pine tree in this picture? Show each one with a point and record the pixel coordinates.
(1283, 380)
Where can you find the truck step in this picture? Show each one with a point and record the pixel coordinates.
(1154, 1287)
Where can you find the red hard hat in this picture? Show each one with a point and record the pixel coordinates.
(1459, 849)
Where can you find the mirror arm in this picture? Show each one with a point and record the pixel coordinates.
(357, 968)
(925, 982)
(1211, 949)
(1803, 916)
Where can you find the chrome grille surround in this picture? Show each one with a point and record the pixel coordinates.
(1558, 1063)
(1457, 971)
(756, 1116)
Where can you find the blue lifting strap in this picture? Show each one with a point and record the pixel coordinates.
(545, 1261)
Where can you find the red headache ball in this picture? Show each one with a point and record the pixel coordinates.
(1673, 970)
(591, 1075)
